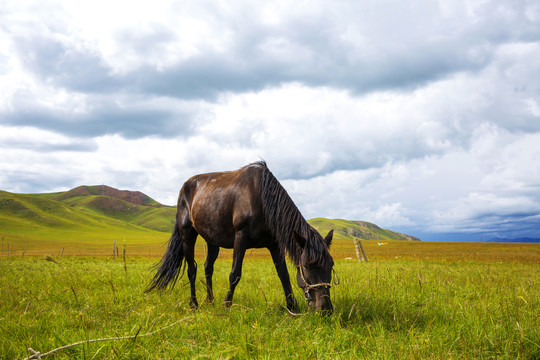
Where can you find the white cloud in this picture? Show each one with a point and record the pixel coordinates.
(422, 116)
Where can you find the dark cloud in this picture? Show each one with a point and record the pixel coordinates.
(131, 117)
(506, 225)
(63, 66)
(344, 48)
(77, 145)
(315, 51)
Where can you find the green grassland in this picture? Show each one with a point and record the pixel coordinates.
(383, 310)
(59, 284)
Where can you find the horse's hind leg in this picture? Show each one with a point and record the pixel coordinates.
(213, 252)
(190, 237)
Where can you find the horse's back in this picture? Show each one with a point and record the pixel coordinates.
(220, 203)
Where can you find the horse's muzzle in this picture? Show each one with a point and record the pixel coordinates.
(319, 301)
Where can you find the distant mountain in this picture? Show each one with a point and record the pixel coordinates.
(515, 240)
(86, 207)
(133, 197)
(105, 202)
(348, 230)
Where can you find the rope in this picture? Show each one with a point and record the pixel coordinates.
(38, 355)
(308, 285)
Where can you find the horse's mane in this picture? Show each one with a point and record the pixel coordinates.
(282, 217)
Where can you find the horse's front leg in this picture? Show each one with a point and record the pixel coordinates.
(236, 272)
(281, 268)
(213, 252)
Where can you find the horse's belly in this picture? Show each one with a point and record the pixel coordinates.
(220, 231)
(216, 232)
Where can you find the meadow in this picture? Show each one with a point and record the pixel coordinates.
(412, 300)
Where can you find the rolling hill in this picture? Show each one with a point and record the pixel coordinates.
(348, 230)
(102, 214)
(132, 207)
(82, 221)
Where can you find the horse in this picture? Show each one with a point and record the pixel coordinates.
(243, 209)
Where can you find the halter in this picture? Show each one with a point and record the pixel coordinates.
(311, 286)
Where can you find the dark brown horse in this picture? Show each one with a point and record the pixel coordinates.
(242, 209)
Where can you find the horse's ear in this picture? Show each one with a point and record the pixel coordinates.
(299, 239)
(329, 237)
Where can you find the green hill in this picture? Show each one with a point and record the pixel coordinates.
(348, 230)
(101, 214)
(92, 212)
(132, 197)
(82, 224)
(132, 207)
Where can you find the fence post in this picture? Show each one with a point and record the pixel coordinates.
(114, 251)
(362, 248)
(357, 245)
(124, 257)
(357, 248)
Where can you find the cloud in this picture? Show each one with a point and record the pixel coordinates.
(505, 197)
(422, 116)
(197, 52)
(92, 115)
(31, 139)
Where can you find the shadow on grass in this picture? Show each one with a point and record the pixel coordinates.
(388, 313)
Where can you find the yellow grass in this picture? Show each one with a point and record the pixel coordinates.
(153, 245)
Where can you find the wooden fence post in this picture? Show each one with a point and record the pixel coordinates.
(362, 248)
(358, 244)
(124, 257)
(357, 248)
(114, 251)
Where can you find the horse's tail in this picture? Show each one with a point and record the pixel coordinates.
(170, 264)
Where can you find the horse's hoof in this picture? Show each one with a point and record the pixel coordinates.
(194, 304)
(293, 309)
(227, 304)
(292, 306)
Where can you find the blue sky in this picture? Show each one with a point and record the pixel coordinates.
(420, 116)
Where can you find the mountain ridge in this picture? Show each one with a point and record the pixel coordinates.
(101, 205)
(134, 197)
(350, 229)
(514, 240)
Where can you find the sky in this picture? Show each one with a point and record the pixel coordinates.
(421, 116)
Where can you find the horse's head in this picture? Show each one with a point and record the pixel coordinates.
(314, 273)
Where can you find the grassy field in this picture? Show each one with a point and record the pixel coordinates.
(414, 300)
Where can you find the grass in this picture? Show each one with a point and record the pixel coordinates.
(59, 285)
(386, 308)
